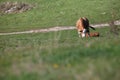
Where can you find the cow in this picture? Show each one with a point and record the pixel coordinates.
(83, 26)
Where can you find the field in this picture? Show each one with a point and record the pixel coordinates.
(59, 13)
(60, 55)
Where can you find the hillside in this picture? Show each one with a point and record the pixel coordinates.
(58, 55)
(58, 13)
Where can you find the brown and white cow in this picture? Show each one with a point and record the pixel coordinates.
(83, 28)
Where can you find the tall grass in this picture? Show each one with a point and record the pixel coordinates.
(58, 13)
(60, 56)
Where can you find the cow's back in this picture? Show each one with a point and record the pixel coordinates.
(80, 24)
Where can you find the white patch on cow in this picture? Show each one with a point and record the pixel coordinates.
(84, 32)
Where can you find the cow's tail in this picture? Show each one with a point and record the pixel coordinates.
(92, 27)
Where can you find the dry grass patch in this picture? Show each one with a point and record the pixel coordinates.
(14, 7)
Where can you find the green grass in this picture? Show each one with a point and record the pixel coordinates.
(60, 56)
(59, 13)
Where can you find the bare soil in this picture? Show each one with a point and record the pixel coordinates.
(14, 7)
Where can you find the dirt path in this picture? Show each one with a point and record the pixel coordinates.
(58, 28)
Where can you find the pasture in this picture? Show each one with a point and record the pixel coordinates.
(50, 13)
(60, 55)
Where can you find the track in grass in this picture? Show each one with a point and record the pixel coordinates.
(58, 29)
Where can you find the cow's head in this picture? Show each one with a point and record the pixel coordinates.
(83, 33)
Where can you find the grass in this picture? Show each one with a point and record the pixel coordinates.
(60, 56)
(58, 13)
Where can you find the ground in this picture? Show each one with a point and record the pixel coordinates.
(59, 55)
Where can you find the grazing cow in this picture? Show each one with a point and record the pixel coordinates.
(83, 28)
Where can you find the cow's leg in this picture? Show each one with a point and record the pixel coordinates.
(88, 34)
(79, 33)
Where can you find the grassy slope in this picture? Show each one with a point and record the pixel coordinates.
(49, 13)
(60, 56)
